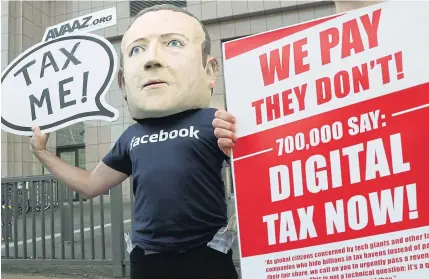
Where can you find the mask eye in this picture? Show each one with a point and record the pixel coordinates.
(175, 43)
(136, 50)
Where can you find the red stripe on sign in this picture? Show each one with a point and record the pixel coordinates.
(360, 170)
(244, 45)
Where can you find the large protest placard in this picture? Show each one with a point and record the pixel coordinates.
(62, 80)
(331, 164)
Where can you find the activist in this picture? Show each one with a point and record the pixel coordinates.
(167, 76)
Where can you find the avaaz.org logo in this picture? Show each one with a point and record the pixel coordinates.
(85, 23)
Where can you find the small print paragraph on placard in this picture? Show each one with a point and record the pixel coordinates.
(379, 259)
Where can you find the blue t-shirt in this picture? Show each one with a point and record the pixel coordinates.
(176, 167)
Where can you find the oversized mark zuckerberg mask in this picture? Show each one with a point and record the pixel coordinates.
(163, 71)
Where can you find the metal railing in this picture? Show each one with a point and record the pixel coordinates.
(45, 223)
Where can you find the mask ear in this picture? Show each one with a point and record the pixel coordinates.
(120, 79)
(121, 82)
(212, 69)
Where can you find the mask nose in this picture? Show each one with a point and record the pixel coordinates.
(153, 58)
(152, 64)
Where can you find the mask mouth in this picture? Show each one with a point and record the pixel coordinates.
(154, 83)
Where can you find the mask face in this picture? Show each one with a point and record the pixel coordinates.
(163, 70)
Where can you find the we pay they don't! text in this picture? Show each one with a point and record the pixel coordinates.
(291, 60)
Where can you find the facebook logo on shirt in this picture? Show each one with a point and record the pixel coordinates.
(165, 135)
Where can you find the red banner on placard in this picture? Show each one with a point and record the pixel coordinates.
(351, 172)
(331, 164)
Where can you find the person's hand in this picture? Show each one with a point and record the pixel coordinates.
(224, 130)
(38, 140)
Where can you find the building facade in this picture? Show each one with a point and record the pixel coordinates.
(23, 24)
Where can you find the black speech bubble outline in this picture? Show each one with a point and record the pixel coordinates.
(102, 111)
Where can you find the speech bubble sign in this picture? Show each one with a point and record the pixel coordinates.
(58, 83)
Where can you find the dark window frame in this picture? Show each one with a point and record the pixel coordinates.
(136, 6)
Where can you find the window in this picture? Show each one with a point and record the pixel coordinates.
(137, 6)
(71, 135)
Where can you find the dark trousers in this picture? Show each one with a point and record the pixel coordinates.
(199, 263)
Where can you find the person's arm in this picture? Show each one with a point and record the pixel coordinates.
(88, 184)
